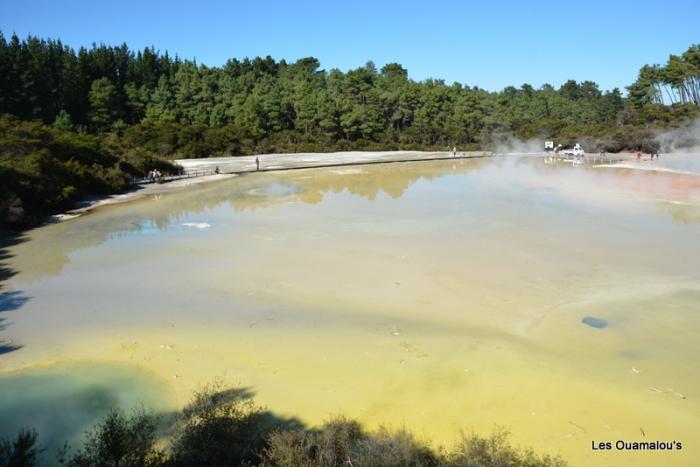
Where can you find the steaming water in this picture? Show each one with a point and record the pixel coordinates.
(440, 296)
(687, 162)
(682, 164)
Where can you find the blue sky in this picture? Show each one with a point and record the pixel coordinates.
(490, 44)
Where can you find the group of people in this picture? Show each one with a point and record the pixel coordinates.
(651, 155)
(153, 175)
(454, 152)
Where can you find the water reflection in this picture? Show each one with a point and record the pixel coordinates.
(52, 245)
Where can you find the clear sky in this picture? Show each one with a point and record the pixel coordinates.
(488, 43)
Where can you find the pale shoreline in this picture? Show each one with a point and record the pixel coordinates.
(233, 166)
(134, 194)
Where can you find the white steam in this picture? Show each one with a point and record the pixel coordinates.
(683, 139)
(513, 145)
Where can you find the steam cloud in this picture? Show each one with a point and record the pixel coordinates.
(513, 145)
(685, 139)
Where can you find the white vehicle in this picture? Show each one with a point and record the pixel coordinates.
(576, 152)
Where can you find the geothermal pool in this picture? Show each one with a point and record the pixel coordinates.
(561, 302)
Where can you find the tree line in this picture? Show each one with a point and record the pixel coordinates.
(105, 88)
(676, 82)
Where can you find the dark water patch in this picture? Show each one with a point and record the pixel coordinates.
(6, 347)
(8, 238)
(597, 323)
(10, 301)
(64, 401)
(5, 272)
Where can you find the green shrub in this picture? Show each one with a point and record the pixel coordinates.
(20, 452)
(335, 444)
(496, 451)
(398, 448)
(119, 440)
(342, 442)
(218, 428)
(44, 169)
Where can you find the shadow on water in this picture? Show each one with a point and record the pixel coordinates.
(8, 238)
(9, 301)
(7, 347)
(64, 403)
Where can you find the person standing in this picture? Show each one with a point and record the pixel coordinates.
(257, 164)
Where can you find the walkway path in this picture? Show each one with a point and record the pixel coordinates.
(306, 160)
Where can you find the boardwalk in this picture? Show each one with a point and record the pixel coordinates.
(272, 162)
(244, 164)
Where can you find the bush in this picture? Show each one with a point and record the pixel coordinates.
(495, 451)
(119, 441)
(342, 442)
(44, 169)
(22, 452)
(219, 427)
(395, 448)
(334, 444)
